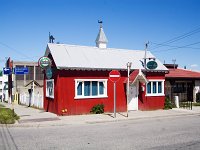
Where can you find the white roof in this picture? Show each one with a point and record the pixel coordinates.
(85, 57)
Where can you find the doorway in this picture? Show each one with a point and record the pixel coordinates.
(133, 97)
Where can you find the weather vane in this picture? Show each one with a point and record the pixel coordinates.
(100, 22)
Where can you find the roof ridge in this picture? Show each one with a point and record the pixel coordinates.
(118, 49)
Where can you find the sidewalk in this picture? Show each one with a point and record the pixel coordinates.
(30, 117)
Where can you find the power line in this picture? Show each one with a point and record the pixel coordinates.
(197, 30)
(178, 47)
(173, 46)
(16, 51)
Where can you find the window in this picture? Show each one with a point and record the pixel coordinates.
(155, 88)
(50, 88)
(90, 88)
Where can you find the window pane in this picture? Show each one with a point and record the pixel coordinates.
(101, 88)
(79, 88)
(159, 87)
(154, 87)
(149, 88)
(94, 87)
(87, 88)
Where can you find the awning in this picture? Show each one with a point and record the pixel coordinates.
(136, 75)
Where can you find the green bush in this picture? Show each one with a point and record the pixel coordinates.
(168, 103)
(97, 109)
(7, 116)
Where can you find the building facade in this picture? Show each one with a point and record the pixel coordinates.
(182, 83)
(80, 79)
(28, 88)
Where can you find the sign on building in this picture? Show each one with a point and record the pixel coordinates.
(21, 70)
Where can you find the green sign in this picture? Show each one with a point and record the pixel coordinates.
(49, 73)
(1, 73)
(44, 62)
(152, 65)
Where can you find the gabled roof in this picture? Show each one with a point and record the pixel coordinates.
(182, 73)
(136, 75)
(35, 82)
(94, 58)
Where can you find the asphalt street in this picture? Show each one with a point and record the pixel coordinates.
(171, 133)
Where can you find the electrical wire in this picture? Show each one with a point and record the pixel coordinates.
(173, 46)
(185, 46)
(197, 30)
(16, 51)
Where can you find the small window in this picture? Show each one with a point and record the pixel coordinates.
(149, 88)
(101, 88)
(91, 88)
(159, 87)
(79, 88)
(94, 88)
(155, 88)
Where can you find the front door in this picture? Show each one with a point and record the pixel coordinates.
(133, 97)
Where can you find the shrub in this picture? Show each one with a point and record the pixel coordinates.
(7, 116)
(168, 103)
(97, 109)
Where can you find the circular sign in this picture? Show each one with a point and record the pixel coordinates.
(114, 75)
(49, 73)
(44, 62)
(152, 65)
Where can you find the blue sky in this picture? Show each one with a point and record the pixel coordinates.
(128, 24)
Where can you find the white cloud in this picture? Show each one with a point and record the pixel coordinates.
(193, 65)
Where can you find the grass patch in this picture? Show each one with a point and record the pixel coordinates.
(7, 116)
(1, 106)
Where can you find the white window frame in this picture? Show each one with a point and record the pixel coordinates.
(155, 94)
(47, 89)
(92, 96)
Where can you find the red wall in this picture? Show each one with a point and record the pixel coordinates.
(64, 93)
(151, 102)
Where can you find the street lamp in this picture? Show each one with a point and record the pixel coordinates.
(127, 92)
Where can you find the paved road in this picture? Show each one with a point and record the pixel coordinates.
(181, 133)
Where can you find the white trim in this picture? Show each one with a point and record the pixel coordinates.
(155, 94)
(92, 96)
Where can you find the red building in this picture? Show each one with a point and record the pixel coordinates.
(81, 79)
(182, 83)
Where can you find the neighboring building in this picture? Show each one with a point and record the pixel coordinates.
(182, 83)
(3, 87)
(23, 91)
(81, 79)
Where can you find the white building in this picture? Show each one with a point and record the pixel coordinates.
(3, 87)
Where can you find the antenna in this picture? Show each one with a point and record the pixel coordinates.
(145, 53)
(174, 61)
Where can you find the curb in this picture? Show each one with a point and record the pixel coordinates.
(53, 124)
